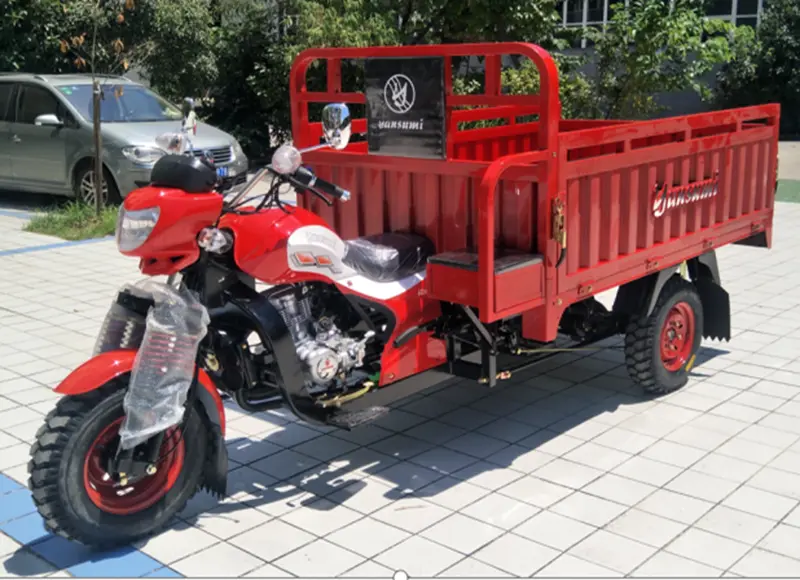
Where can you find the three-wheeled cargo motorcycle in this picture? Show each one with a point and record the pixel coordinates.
(419, 240)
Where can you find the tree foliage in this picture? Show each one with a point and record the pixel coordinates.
(765, 66)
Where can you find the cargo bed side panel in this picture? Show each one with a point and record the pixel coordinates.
(656, 193)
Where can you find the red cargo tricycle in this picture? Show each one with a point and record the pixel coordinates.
(417, 241)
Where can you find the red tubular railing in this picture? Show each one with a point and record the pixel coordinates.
(546, 103)
(486, 219)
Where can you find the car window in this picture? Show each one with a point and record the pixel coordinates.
(6, 92)
(35, 101)
(125, 103)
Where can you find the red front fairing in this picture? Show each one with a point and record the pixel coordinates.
(172, 246)
(259, 246)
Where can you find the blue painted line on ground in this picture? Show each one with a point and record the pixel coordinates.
(23, 215)
(20, 521)
(55, 246)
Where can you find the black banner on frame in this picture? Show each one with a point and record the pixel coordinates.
(405, 107)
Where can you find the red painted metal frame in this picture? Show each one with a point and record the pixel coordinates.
(497, 185)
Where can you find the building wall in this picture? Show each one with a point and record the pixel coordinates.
(583, 13)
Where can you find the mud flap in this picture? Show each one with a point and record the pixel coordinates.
(215, 473)
(716, 309)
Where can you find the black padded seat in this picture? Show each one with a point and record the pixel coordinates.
(388, 257)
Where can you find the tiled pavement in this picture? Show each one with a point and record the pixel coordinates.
(564, 471)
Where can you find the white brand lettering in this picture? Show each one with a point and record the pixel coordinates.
(667, 197)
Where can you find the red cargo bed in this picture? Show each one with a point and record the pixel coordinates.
(492, 204)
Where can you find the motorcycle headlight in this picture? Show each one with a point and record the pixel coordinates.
(134, 227)
(143, 155)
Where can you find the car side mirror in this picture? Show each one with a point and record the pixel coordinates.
(336, 125)
(48, 120)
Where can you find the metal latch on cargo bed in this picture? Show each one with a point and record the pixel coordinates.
(559, 230)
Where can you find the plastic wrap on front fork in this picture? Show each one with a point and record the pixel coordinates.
(163, 370)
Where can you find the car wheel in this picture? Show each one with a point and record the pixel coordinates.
(85, 187)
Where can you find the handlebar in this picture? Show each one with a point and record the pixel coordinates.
(307, 179)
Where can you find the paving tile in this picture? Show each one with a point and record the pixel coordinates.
(735, 524)
(419, 557)
(26, 564)
(568, 473)
(535, 491)
(177, 542)
(272, 540)
(588, 508)
(319, 559)
(367, 537)
(472, 568)
(487, 475)
(619, 489)
(401, 446)
(746, 450)
(707, 548)
(612, 551)
(268, 571)
(520, 459)
(452, 493)
(446, 461)
(554, 530)
(762, 563)
(703, 486)
(666, 565)
(675, 506)
(366, 496)
(726, 467)
(500, 511)
(624, 440)
(516, 555)
(221, 560)
(368, 569)
(647, 471)
(692, 436)
(673, 453)
(407, 477)
(284, 464)
(229, 520)
(761, 503)
(568, 566)
(783, 540)
(321, 517)
(777, 481)
(507, 430)
(646, 528)
(462, 533)
(411, 514)
(477, 445)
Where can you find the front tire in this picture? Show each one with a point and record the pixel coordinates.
(84, 187)
(70, 492)
(660, 349)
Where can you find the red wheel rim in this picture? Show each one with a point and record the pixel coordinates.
(112, 498)
(677, 337)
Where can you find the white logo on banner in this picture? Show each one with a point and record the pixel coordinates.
(399, 94)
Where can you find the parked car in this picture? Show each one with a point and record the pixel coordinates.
(46, 138)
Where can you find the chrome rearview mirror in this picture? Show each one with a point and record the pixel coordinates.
(336, 125)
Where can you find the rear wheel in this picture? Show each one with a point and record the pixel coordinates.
(660, 349)
(77, 498)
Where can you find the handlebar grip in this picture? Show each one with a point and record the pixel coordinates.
(308, 179)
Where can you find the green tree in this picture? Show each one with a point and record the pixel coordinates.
(766, 67)
(30, 33)
(653, 47)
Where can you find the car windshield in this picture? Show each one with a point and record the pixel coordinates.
(122, 104)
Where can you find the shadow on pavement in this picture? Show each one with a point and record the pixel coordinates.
(406, 456)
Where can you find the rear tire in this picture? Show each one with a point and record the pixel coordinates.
(62, 489)
(660, 349)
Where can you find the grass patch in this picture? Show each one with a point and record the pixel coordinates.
(788, 190)
(74, 221)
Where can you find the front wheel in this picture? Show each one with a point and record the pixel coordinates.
(80, 501)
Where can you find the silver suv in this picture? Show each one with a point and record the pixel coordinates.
(46, 143)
